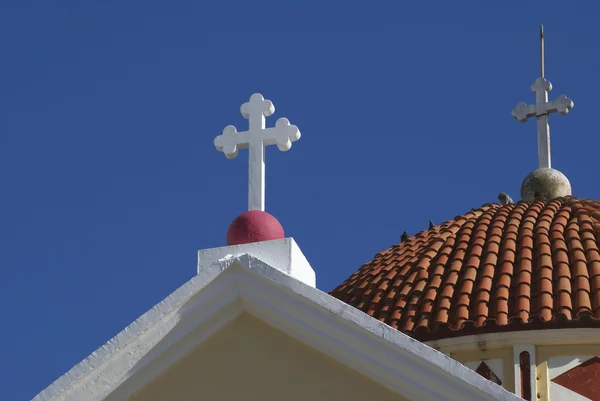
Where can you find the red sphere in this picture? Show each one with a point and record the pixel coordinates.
(254, 226)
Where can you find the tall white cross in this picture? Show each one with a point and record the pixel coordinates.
(541, 109)
(255, 139)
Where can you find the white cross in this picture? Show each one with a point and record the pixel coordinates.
(541, 109)
(255, 139)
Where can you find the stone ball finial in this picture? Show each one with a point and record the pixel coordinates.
(546, 183)
(254, 226)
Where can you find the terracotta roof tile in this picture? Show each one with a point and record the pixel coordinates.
(520, 266)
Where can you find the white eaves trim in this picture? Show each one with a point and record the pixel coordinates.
(485, 341)
(243, 283)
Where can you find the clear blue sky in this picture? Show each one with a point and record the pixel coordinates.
(110, 182)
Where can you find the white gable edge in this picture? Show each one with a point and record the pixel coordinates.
(133, 374)
(313, 317)
(338, 330)
(129, 334)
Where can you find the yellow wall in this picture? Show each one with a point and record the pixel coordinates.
(250, 360)
(543, 354)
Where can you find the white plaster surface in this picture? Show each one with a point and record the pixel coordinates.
(560, 393)
(283, 254)
(241, 283)
(494, 364)
(255, 139)
(557, 365)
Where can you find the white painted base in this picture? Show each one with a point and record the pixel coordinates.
(282, 254)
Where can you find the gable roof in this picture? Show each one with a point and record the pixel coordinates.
(244, 283)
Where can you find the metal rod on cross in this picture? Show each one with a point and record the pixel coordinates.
(542, 50)
(542, 109)
(255, 140)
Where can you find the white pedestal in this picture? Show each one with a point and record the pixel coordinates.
(282, 254)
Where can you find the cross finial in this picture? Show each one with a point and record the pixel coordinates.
(541, 109)
(255, 139)
(542, 57)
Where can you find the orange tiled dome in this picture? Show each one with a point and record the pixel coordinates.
(511, 267)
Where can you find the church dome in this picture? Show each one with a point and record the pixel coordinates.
(519, 266)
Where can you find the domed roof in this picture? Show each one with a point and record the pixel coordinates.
(528, 265)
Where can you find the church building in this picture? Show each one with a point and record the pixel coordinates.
(499, 303)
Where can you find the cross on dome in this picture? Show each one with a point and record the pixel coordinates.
(255, 140)
(541, 109)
